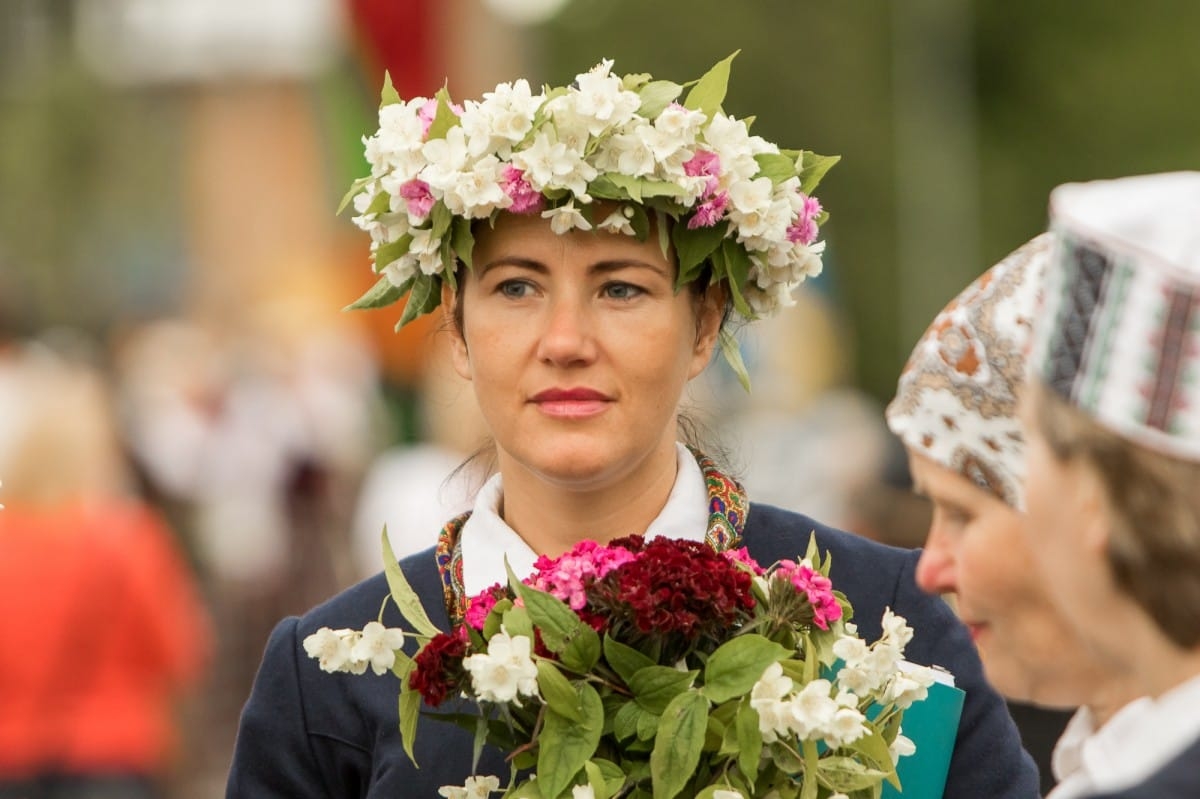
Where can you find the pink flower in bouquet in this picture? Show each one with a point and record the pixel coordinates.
(742, 555)
(417, 197)
(525, 198)
(817, 587)
(567, 577)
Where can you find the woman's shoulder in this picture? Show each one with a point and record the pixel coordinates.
(786, 533)
(360, 603)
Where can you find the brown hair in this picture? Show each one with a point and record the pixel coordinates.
(1154, 511)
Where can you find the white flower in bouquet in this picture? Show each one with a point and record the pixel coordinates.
(377, 646)
(506, 671)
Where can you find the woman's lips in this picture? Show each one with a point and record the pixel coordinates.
(571, 403)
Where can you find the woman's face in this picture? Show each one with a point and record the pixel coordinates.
(978, 551)
(579, 348)
(1068, 538)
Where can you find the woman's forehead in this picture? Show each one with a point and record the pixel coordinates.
(531, 236)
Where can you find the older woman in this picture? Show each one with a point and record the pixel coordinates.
(956, 412)
(1114, 458)
(589, 243)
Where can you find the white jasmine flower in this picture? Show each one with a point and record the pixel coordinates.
(602, 99)
(475, 788)
(477, 192)
(908, 687)
(427, 250)
(846, 727)
(565, 218)
(679, 123)
(851, 649)
(618, 222)
(585, 791)
(506, 671)
(813, 709)
(722, 793)
(896, 629)
(901, 747)
(548, 164)
(774, 715)
(330, 647)
(401, 269)
(448, 158)
(377, 646)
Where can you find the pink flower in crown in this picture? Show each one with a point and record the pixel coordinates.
(804, 229)
(742, 555)
(709, 212)
(704, 162)
(568, 576)
(428, 112)
(417, 196)
(816, 587)
(525, 198)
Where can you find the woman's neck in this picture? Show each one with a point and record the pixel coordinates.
(552, 518)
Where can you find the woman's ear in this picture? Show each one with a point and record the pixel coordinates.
(710, 311)
(458, 344)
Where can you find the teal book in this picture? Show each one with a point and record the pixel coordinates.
(932, 725)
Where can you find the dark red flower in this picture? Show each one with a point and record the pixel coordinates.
(677, 591)
(439, 670)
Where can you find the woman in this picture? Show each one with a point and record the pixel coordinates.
(578, 340)
(955, 411)
(1114, 456)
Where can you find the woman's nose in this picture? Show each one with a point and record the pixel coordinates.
(568, 337)
(937, 571)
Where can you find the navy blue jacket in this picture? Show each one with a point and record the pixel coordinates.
(305, 733)
(1179, 779)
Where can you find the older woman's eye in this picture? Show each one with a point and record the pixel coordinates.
(622, 291)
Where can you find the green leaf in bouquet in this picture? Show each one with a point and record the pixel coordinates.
(655, 687)
(410, 712)
(517, 622)
(566, 745)
(444, 118)
(647, 727)
(463, 241)
(605, 777)
(733, 356)
(737, 664)
(843, 774)
(557, 691)
(553, 618)
(393, 250)
(873, 748)
(403, 595)
(678, 745)
(736, 264)
(709, 92)
(625, 660)
(583, 650)
(626, 720)
(529, 789)
(750, 740)
(495, 617)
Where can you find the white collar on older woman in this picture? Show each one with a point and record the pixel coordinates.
(486, 540)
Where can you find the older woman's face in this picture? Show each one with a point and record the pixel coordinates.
(977, 550)
(579, 348)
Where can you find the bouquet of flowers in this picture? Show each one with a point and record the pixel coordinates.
(653, 670)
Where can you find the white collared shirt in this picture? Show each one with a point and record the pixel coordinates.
(1085, 757)
(486, 540)
(1142, 742)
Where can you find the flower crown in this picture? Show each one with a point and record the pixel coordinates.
(739, 204)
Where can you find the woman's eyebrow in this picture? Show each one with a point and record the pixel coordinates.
(514, 260)
(613, 265)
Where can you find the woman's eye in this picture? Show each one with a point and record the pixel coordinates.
(622, 291)
(514, 288)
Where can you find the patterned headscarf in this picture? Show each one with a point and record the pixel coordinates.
(956, 402)
(1119, 337)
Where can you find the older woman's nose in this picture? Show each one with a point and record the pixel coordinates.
(937, 571)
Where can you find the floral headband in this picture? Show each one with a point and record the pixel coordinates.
(740, 205)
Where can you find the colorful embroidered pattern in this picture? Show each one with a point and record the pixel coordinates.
(727, 510)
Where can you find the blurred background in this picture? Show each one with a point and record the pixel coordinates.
(170, 259)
